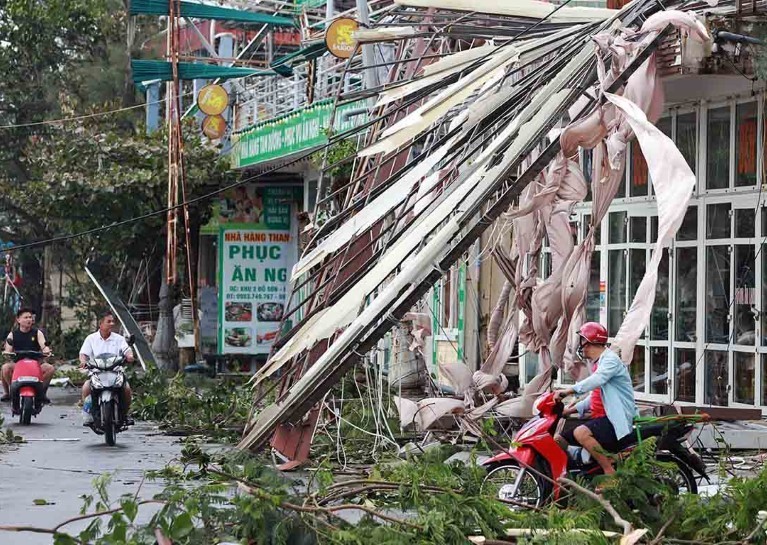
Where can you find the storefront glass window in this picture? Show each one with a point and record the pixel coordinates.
(718, 220)
(664, 124)
(687, 137)
(718, 149)
(686, 293)
(689, 227)
(636, 368)
(744, 369)
(638, 229)
(617, 224)
(616, 288)
(637, 263)
(745, 144)
(763, 315)
(745, 222)
(659, 316)
(531, 366)
(716, 378)
(639, 176)
(621, 192)
(717, 294)
(745, 294)
(592, 297)
(764, 382)
(587, 165)
(659, 370)
(684, 371)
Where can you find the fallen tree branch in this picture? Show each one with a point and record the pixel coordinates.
(606, 505)
(659, 535)
(56, 529)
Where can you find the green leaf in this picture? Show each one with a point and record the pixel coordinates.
(181, 526)
(64, 539)
(130, 508)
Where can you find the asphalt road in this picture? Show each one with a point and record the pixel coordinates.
(59, 462)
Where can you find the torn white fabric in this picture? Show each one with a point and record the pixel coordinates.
(522, 407)
(426, 412)
(517, 8)
(673, 182)
(382, 34)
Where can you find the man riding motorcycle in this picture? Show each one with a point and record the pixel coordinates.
(610, 404)
(25, 338)
(104, 341)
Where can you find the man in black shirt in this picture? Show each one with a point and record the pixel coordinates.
(25, 337)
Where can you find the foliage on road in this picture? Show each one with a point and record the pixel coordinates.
(192, 405)
(240, 499)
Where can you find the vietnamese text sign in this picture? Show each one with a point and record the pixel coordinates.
(253, 278)
(299, 131)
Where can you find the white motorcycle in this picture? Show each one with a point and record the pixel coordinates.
(107, 377)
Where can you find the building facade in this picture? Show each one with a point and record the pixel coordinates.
(706, 343)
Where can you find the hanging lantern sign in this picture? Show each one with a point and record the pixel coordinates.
(214, 126)
(339, 37)
(212, 99)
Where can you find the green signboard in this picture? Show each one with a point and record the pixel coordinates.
(256, 253)
(298, 131)
(255, 207)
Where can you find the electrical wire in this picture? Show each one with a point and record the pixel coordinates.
(201, 198)
(85, 116)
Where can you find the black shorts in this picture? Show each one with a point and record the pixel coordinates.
(601, 429)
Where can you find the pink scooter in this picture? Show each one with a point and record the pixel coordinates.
(27, 386)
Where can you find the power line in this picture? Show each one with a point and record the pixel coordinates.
(148, 215)
(84, 116)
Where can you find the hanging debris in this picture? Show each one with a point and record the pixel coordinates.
(469, 131)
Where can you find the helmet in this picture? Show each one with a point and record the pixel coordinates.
(593, 333)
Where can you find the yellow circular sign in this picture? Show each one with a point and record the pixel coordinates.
(212, 99)
(214, 127)
(339, 37)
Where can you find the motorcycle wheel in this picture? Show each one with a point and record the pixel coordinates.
(27, 408)
(109, 422)
(532, 492)
(679, 477)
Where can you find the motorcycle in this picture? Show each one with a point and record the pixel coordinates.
(527, 474)
(107, 377)
(27, 386)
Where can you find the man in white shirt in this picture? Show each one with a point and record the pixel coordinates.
(104, 341)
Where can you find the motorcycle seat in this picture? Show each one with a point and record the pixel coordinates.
(652, 429)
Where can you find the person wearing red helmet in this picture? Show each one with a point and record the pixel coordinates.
(610, 403)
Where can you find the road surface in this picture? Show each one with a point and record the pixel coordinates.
(60, 460)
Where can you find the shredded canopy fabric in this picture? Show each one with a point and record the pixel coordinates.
(148, 70)
(208, 11)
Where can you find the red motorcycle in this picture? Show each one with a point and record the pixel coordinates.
(27, 386)
(527, 474)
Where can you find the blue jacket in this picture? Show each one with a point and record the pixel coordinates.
(617, 392)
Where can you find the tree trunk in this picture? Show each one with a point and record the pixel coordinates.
(164, 344)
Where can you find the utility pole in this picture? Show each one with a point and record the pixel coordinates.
(368, 50)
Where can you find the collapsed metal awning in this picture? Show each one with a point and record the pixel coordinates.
(492, 119)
